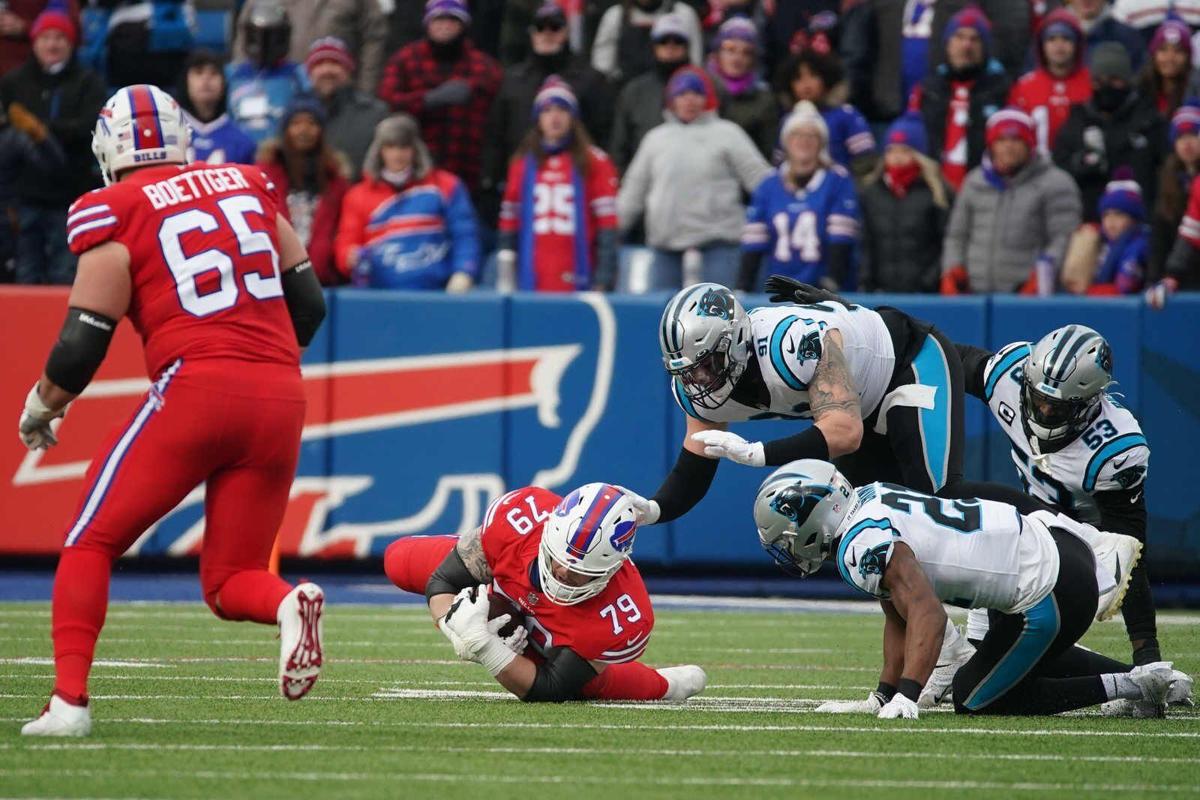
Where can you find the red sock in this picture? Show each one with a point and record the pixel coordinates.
(252, 594)
(80, 601)
(410, 561)
(632, 681)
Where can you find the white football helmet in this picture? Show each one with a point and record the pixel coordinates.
(590, 533)
(140, 126)
(799, 513)
(1063, 379)
(706, 342)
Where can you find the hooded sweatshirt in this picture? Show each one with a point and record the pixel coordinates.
(1043, 96)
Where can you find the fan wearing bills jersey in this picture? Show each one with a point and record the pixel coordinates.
(1039, 577)
(1074, 446)
(563, 563)
(220, 289)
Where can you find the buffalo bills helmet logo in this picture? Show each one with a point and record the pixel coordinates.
(622, 538)
(716, 303)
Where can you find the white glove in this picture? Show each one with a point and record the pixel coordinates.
(648, 511)
(34, 428)
(723, 444)
(516, 641)
(459, 282)
(871, 705)
(467, 627)
(899, 707)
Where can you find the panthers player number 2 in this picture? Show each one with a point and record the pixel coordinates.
(625, 604)
(188, 269)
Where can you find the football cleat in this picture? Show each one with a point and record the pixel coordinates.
(1138, 709)
(1180, 692)
(1155, 681)
(1116, 555)
(683, 682)
(941, 680)
(60, 718)
(300, 653)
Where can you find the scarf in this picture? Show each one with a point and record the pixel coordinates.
(901, 179)
(526, 277)
(735, 86)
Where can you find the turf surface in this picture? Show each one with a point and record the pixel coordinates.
(186, 706)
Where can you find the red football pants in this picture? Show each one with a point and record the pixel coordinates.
(410, 561)
(232, 426)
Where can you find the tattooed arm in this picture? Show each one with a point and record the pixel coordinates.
(833, 399)
(463, 566)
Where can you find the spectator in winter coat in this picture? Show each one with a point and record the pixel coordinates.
(216, 138)
(1169, 68)
(1175, 179)
(350, 114)
(687, 179)
(407, 224)
(639, 104)
(1117, 128)
(569, 243)
(1013, 218)
(621, 48)
(23, 140)
(1183, 263)
(818, 78)
(744, 98)
(1126, 252)
(1145, 16)
(448, 85)
(1100, 26)
(958, 97)
(905, 206)
(52, 90)
(310, 181)
(16, 19)
(804, 217)
(1060, 80)
(549, 54)
(262, 86)
(360, 24)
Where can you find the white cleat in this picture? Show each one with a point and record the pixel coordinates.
(1116, 555)
(1180, 693)
(941, 681)
(683, 682)
(60, 718)
(300, 653)
(1138, 709)
(1155, 681)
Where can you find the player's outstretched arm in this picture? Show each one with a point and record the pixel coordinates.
(98, 300)
(924, 618)
(974, 361)
(687, 482)
(894, 631)
(301, 289)
(833, 399)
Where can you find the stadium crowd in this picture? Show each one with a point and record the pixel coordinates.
(948, 146)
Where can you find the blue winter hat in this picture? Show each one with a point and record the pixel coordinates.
(555, 91)
(970, 17)
(303, 104)
(1124, 196)
(909, 129)
(1186, 120)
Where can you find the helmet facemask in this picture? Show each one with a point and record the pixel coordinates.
(1052, 418)
(799, 512)
(709, 380)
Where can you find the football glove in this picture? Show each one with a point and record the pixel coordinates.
(871, 705)
(899, 707)
(34, 428)
(723, 444)
(789, 290)
(467, 627)
(648, 511)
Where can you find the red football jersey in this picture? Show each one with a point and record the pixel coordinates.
(204, 261)
(614, 626)
(1048, 100)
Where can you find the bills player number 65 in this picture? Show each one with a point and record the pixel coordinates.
(187, 269)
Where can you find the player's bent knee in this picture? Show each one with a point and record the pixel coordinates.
(401, 567)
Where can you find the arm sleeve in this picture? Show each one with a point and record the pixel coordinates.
(685, 485)
(631, 199)
(510, 204)
(1120, 464)
(1123, 512)
(450, 577)
(464, 232)
(748, 163)
(560, 677)
(974, 360)
(305, 301)
(843, 221)
(1002, 363)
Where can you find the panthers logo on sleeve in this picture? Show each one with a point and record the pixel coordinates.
(863, 555)
(809, 348)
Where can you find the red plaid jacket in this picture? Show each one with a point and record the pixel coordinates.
(454, 134)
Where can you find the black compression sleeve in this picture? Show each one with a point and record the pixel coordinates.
(451, 576)
(809, 443)
(1123, 512)
(974, 361)
(560, 677)
(305, 302)
(685, 486)
(81, 346)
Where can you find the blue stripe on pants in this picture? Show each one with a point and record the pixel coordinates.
(1042, 624)
(930, 369)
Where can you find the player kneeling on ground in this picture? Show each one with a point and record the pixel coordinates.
(1038, 575)
(564, 565)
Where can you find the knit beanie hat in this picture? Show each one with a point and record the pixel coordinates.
(692, 79)
(446, 8)
(1011, 122)
(909, 129)
(1123, 195)
(970, 17)
(329, 48)
(54, 18)
(1111, 60)
(555, 91)
(1172, 31)
(737, 29)
(805, 115)
(1185, 122)
(303, 104)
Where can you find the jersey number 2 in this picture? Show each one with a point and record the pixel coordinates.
(187, 270)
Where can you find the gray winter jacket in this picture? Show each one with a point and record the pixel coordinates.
(351, 117)
(688, 180)
(999, 235)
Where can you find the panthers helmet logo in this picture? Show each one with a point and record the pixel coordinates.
(716, 303)
(1104, 358)
(797, 503)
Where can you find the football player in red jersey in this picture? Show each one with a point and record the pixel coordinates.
(565, 563)
(220, 289)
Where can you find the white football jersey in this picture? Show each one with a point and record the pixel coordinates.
(976, 553)
(1111, 455)
(787, 343)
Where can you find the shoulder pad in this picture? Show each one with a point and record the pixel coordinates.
(92, 219)
(1000, 364)
(863, 554)
(1120, 464)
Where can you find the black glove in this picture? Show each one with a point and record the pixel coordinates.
(453, 92)
(789, 290)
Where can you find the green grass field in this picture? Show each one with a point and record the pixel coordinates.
(186, 706)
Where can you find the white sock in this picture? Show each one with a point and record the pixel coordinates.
(1120, 685)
